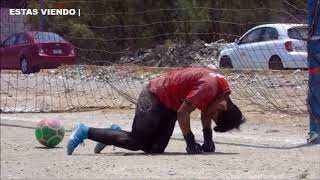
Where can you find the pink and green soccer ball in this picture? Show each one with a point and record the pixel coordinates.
(49, 132)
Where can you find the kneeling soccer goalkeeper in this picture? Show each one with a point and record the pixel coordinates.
(161, 103)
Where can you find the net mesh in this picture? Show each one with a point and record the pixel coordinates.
(121, 45)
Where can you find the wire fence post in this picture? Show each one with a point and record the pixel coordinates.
(314, 70)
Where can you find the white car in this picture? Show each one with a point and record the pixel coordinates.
(269, 46)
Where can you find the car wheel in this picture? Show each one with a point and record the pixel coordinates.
(275, 63)
(225, 62)
(36, 70)
(25, 67)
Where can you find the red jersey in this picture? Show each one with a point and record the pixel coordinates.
(194, 85)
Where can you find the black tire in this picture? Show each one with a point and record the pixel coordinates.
(226, 63)
(36, 70)
(25, 66)
(275, 63)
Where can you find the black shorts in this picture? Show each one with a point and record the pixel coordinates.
(153, 123)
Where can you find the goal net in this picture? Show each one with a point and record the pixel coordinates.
(121, 45)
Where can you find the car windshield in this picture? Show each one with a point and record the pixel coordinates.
(43, 37)
(300, 33)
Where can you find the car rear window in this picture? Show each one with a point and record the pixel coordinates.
(300, 33)
(44, 37)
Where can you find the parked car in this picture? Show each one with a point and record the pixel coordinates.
(269, 46)
(32, 51)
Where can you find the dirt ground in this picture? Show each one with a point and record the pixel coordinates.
(268, 146)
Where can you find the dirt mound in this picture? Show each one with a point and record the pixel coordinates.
(173, 54)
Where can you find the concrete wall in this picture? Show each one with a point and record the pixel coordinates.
(11, 24)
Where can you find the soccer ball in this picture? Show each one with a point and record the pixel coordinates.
(49, 132)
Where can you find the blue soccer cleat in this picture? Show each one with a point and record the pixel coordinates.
(78, 135)
(99, 147)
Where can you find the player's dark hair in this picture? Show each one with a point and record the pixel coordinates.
(230, 119)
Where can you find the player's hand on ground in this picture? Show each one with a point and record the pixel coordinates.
(194, 149)
(208, 146)
(192, 146)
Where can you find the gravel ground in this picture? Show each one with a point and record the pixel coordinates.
(269, 146)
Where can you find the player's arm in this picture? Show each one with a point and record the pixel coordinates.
(208, 144)
(206, 119)
(183, 116)
(207, 115)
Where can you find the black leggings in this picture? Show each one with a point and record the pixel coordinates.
(152, 127)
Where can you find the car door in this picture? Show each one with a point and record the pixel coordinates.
(246, 49)
(298, 36)
(7, 52)
(267, 47)
(20, 43)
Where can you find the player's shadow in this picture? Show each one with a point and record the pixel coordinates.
(42, 147)
(174, 154)
(160, 154)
